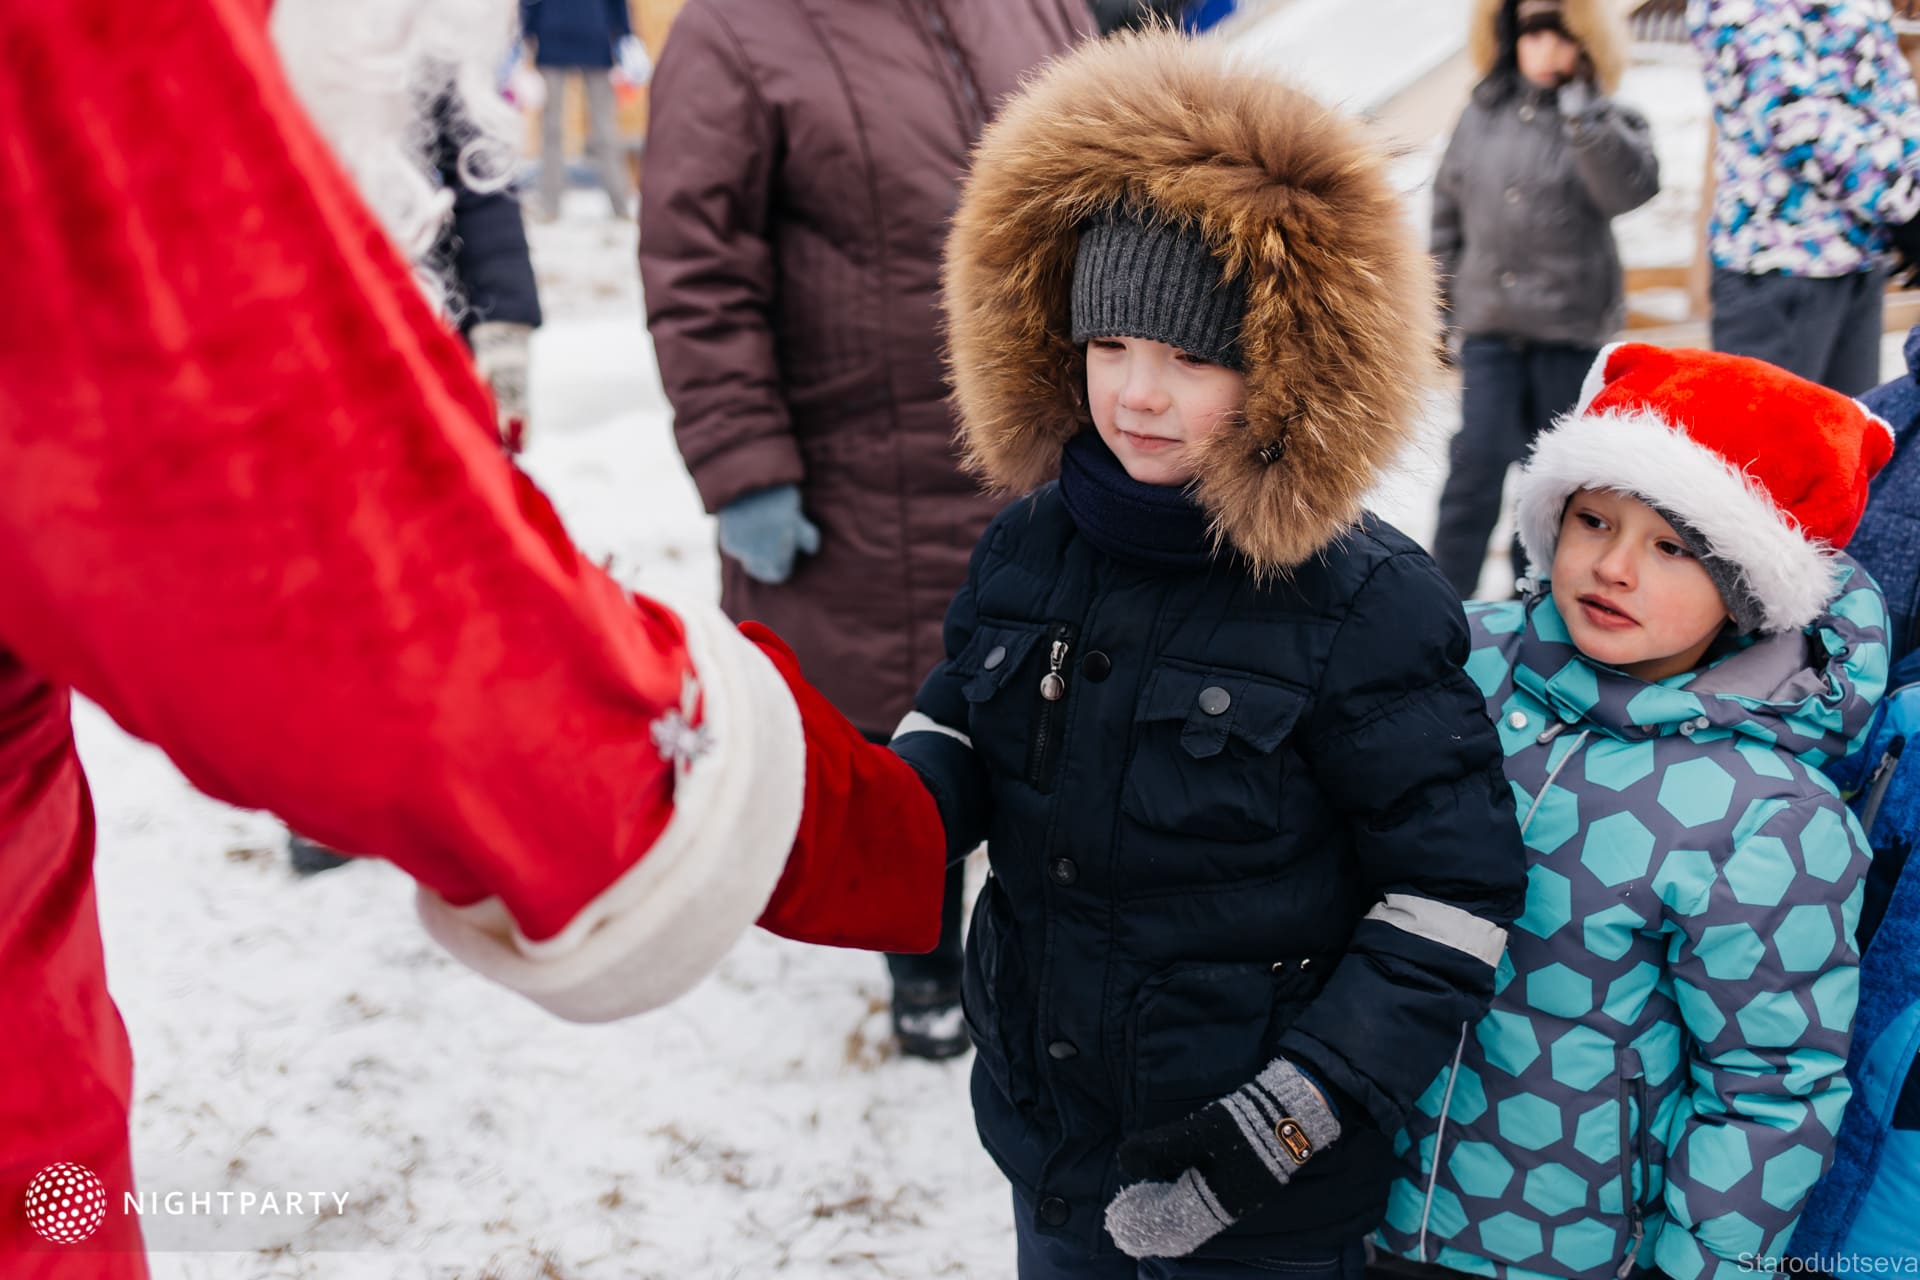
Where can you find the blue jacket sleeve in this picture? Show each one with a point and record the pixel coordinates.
(485, 247)
(1400, 742)
(933, 738)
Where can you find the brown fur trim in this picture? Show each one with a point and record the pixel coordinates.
(1339, 330)
(1599, 25)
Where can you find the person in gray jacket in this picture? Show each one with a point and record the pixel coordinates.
(1539, 165)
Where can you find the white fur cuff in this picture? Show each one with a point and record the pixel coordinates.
(662, 927)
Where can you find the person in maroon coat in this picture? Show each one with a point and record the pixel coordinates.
(803, 159)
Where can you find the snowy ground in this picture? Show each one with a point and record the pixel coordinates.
(304, 1035)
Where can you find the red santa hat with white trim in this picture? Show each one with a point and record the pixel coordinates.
(1762, 473)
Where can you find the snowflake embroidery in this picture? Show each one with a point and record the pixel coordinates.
(675, 734)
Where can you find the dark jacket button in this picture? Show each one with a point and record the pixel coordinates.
(1061, 1050)
(1063, 871)
(1214, 700)
(1096, 666)
(995, 656)
(1053, 1211)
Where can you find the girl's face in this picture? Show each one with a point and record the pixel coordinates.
(1632, 595)
(1152, 403)
(1547, 58)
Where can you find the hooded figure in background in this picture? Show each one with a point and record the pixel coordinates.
(1541, 162)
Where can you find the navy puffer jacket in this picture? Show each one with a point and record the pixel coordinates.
(1199, 852)
(1262, 813)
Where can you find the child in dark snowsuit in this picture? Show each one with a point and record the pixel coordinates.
(1659, 1082)
(1252, 853)
(1539, 165)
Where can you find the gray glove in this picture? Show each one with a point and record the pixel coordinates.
(1575, 97)
(501, 353)
(1226, 1160)
(764, 530)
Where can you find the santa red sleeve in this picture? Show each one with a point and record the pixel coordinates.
(252, 504)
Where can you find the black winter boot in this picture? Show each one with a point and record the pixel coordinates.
(310, 858)
(927, 1020)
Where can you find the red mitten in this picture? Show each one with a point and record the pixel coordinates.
(868, 867)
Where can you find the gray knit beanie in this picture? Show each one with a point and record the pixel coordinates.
(1138, 279)
(1736, 592)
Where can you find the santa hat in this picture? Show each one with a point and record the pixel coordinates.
(1762, 473)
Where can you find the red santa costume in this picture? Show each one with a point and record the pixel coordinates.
(252, 503)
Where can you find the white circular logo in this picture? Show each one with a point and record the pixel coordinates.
(66, 1203)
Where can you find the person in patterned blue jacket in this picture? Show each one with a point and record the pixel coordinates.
(1816, 172)
(1659, 1081)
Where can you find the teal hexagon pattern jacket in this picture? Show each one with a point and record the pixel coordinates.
(1659, 1080)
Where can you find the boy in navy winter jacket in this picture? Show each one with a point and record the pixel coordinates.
(1252, 853)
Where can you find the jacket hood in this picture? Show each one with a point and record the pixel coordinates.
(1338, 333)
(1597, 24)
(1810, 693)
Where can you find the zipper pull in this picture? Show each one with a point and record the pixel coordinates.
(1053, 685)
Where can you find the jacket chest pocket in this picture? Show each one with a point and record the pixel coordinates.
(999, 676)
(1207, 759)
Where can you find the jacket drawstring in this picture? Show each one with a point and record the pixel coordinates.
(1543, 740)
(1439, 1138)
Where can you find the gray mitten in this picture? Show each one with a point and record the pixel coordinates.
(765, 530)
(1575, 97)
(1226, 1160)
(501, 351)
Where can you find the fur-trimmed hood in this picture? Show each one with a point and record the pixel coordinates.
(1338, 334)
(1597, 24)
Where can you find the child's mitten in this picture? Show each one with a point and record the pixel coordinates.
(1226, 1160)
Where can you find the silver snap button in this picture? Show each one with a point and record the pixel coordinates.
(1214, 700)
(1703, 723)
(1526, 113)
(1513, 195)
(995, 656)
(1687, 729)
(1508, 279)
(1518, 719)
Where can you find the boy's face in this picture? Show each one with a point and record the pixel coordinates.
(1152, 402)
(1631, 593)
(1547, 58)
(1629, 590)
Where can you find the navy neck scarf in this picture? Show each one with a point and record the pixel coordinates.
(1151, 523)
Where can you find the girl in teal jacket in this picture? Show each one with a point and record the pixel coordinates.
(1659, 1081)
